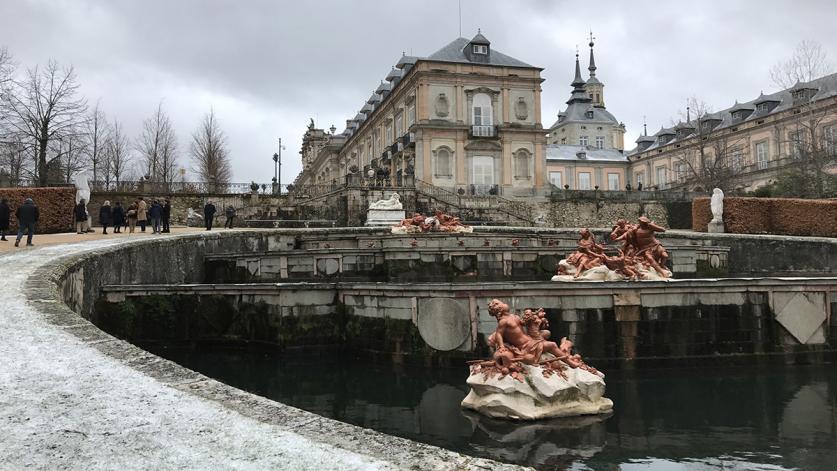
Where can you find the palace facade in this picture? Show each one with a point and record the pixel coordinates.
(466, 117)
(746, 145)
(585, 149)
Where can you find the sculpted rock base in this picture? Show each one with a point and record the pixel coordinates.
(537, 396)
(602, 273)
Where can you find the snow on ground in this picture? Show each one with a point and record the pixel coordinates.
(64, 405)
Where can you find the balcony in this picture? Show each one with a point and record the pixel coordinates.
(483, 131)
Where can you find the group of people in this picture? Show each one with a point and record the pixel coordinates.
(27, 215)
(121, 218)
(209, 211)
(118, 217)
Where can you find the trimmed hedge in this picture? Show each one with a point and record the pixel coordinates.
(789, 216)
(55, 206)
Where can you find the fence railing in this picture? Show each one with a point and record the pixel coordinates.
(145, 186)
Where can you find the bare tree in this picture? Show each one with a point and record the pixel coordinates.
(70, 155)
(158, 147)
(711, 158)
(209, 152)
(811, 143)
(42, 107)
(118, 156)
(15, 159)
(97, 130)
(809, 61)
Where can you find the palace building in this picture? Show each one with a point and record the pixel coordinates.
(586, 145)
(746, 145)
(466, 117)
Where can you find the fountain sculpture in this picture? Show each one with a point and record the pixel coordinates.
(640, 257)
(530, 377)
(440, 222)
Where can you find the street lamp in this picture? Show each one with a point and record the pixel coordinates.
(277, 169)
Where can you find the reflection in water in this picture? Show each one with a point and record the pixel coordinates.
(693, 419)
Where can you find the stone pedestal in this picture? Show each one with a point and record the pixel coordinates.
(537, 396)
(716, 227)
(384, 217)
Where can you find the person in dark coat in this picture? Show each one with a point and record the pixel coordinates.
(156, 213)
(105, 216)
(166, 215)
(5, 214)
(230, 213)
(118, 217)
(80, 214)
(208, 214)
(27, 215)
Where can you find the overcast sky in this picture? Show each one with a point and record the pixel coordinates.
(266, 66)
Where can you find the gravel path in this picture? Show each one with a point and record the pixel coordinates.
(65, 405)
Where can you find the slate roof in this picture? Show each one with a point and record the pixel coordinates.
(455, 52)
(826, 87)
(564, 152)
(577, 112)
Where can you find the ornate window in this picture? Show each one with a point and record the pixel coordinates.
(661, 177)
(583, 141)
(399, 125)
(522, 163)
(761, 155)
(613, 181)
(584, 181)
(482, 115)
(443, 164)
(599, 142)
(556, 178)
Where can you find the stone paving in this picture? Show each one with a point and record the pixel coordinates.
(41, 240)
(66, 405)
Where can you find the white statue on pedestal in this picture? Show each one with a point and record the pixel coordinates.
(83, 194)
(82, 187)
(393, 203)
(717, 206)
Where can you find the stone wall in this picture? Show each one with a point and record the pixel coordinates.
(788, 216)
(55, 207)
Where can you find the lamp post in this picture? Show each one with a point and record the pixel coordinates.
(277, 169)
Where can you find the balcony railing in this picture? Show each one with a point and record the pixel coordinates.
(483, 131)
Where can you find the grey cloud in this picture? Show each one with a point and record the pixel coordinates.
(267, 66)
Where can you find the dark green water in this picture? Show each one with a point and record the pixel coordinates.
(689, 419)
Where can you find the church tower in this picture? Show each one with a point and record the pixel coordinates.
(594, 87)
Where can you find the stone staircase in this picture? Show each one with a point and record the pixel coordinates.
(487, 209)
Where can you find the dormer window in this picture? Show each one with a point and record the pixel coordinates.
(762, 107)
(589, 115)
(740, 115)
(480, 49)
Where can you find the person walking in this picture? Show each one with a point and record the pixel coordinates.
(132, 217)
(27, 215)
(156, 213)
(142, 213)
(5, 215)
(118, 217)
(166, 215)
(230, 213)
(80, 213)
(105, 216)
(209, 214)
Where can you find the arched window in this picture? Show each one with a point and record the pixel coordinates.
(522, 164)
(481, 112)
(443, 167)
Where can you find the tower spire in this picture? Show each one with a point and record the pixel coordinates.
(644, 126)
(592, 67)
(578, 82)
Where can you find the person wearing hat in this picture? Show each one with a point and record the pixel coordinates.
(27, 215)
